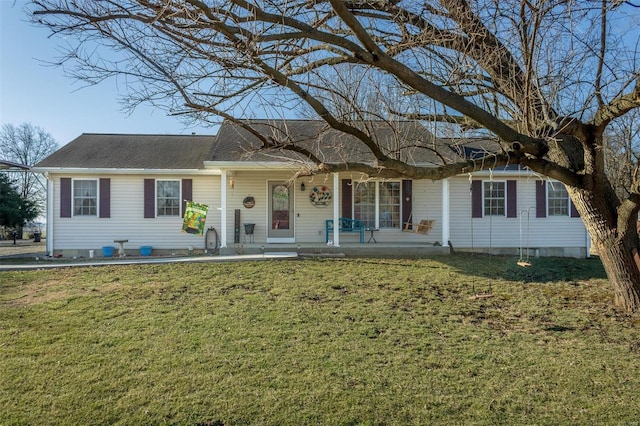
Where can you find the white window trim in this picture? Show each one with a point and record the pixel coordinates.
(73, 197)
(377, 203)
(155, 201)
(376, 206)
(547, 193)
(506, 197)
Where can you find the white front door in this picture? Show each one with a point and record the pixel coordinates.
(281, 215)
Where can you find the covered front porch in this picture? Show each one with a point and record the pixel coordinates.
(308, 224)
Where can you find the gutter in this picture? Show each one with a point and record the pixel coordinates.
(121, 171)
(255, 165)
(268, 165)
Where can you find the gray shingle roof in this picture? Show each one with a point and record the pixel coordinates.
(404, 140)
(91, 150)
(407, 141)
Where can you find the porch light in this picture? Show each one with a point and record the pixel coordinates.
(232, 184)
(302, 187)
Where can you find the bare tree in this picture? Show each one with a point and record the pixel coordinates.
(543, 79)
(27, 144)
(622, 148)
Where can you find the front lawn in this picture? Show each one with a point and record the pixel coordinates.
(453, 340)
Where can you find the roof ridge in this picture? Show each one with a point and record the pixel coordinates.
(147, 134)
(318, 120)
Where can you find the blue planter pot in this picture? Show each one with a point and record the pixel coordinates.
(145, 250)
(107, 251)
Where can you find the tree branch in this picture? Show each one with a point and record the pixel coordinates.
(618, 107)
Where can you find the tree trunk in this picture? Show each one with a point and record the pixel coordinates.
(623, 273)
(617, 244)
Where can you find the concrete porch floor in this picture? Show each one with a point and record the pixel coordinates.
(346, 249)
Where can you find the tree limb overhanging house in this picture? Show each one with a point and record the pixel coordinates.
(109, 187)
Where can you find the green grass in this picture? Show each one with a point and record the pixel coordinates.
(352, 341)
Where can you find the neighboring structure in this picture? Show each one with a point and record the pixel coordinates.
(11, 166)
(104, 188)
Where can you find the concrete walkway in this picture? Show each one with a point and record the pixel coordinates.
(23, 255)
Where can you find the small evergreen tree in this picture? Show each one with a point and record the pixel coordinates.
(15, 210)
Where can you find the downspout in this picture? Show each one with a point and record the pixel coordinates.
(336, 210)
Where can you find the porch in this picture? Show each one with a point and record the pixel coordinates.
(415, 249)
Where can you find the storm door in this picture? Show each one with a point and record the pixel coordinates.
(281, 216)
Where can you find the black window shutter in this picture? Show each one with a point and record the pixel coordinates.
(541, 198)
(149, 198)
(512, 199)
(105, 198)
(187, 193)
(347, 198)
(476, 198)
(407, 204)
(65, 197)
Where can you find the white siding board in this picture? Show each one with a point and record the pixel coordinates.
(505, 232)
(127, 217)
(427, 205)
(127, 211)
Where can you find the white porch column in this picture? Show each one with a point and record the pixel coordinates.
(336, 209)
(49, 225)
(223, 209)
(446, 219)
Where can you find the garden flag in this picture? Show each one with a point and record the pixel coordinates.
(195, 216)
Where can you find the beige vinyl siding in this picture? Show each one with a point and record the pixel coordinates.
(501, 232)
(246, 184)
(427, 204)
(310, 225)
(309, 221)
(127, 217)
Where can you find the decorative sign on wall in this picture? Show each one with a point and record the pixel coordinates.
(249, 202)
(320, 196)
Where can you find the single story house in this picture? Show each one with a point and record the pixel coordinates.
(110, 187)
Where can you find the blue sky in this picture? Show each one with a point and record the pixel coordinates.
(33, 92)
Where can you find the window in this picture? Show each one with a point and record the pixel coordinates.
(364, 203)
(168, 197)
(389, 204)
(85, 197)
(494, 198)
(381, 198)
(557, 199)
